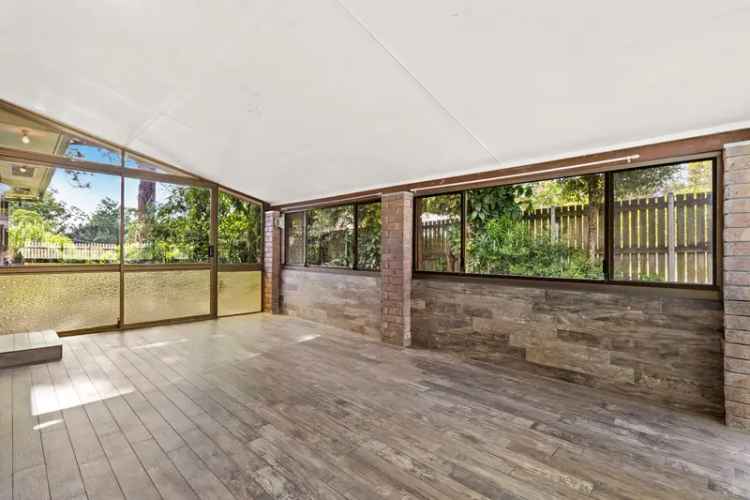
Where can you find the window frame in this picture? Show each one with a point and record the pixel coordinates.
(180, 177)
(608, 260)
(355, 238)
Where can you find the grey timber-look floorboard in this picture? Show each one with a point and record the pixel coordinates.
(271, 407)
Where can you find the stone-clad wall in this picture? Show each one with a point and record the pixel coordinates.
(345, 300)
(660, 348)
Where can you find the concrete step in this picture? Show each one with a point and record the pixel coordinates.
(28, 348)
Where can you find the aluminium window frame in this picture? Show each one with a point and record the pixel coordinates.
(189, 179)
(355, 238)
(238, 267)
(608, 260)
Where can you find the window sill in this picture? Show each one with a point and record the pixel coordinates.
(331, 270)
(702, 292)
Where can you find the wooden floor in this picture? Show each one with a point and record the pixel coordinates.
(273, 407)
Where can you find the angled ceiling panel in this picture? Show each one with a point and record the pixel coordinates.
(295, 100)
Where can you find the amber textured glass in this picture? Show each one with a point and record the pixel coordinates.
(162, 295)
(239, 292)
(61, 302)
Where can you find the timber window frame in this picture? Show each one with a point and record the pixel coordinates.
(608, 218)
(303, 213)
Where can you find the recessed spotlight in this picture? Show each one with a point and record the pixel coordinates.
(25, 137)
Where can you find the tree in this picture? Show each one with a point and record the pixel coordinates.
(102, 225)
(240, 230)
(368, 236)
(29, 226)
(330, 235)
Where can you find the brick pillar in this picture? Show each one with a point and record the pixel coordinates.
(272, 263)
(396, 256)
(737, 284)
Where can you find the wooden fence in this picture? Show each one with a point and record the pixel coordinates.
(38, 251)
(667, 238)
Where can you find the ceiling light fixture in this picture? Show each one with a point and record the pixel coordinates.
(25, 137)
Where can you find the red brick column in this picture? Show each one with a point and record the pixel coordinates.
(737, 284)
(272, 263)
(396, 264)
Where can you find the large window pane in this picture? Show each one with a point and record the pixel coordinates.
(162, 295)
(57, 216)
(663, 223)
(294, 228)
(550, 228)
(61, 302)
(239, 292)
(439, 233)
(166, 223)
(330, 235)
(240, 230)
(145, 165)
(368, 237)
(27, 134)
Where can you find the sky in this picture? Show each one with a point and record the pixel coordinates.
(101, 185)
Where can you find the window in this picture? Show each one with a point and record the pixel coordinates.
(25, 133)
(74, 209)
(344, 236)
(551, 228)
(368, 236)
(329, 236)
(295, 239)
(145, 165)
(240, 230)
(166, 223)
(657, 227)
(438, 233)
(663, 223)
(58, 216)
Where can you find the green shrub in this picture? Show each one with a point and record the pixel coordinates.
(505, 246)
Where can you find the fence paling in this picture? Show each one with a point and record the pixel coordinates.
(665, 238)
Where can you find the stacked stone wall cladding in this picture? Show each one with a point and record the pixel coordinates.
(344, 300)
(656, 347)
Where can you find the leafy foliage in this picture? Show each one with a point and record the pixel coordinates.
(28, 225)
(507, 247)
(368, 237)
(330, 235)
(240, 230)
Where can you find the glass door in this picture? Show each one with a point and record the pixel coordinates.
(240, 253)
(168, 252)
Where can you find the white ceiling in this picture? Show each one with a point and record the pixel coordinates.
(291, 100)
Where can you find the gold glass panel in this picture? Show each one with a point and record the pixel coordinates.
(162, 295)
(239, 292)
(61, 302)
